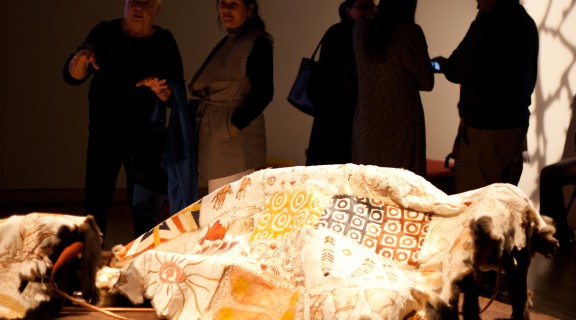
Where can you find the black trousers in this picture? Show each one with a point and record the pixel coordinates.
(107, 152)
(552, 180)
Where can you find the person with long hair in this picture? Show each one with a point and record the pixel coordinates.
(393, 67)
(234, 86)
(334, 87)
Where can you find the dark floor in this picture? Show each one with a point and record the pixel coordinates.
(553, 281)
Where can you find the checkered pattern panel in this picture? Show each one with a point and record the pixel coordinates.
(393, 232)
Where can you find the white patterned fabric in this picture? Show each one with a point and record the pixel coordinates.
(26, 243)
(325, 242)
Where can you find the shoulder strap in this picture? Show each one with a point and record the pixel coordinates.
(316, 50)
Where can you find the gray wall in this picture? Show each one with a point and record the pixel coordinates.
(43, 121)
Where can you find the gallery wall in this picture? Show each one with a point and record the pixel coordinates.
(43, 121)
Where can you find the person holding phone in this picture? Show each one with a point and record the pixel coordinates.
(436, 66)
(496, 67)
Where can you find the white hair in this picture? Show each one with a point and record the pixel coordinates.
(156, 2)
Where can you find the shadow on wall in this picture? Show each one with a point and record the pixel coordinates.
(554, 98)
(539, 157)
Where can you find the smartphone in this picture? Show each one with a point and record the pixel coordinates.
(435, 65)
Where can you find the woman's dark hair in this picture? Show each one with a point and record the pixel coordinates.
(388, 14)
(254, 21)
(347, 4)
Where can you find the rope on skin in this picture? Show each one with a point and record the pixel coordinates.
(67, 254)
(495, 293)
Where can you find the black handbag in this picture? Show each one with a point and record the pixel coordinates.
(300, 95)
(146, 158)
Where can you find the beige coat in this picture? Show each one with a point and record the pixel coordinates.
(222, 85)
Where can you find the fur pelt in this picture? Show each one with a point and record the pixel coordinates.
(494, 250)
(34, 242)
(490, 255)
(80, 273)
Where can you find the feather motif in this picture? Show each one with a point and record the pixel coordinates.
(327, 258)
(364, 269)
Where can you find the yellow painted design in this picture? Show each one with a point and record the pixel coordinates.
(229, 313)
(194, 207)
(294, 299)
(288, 315)
(288, 211)
(16, 309)
(190, 220)
(157, 240)
(225, 314)
(240, 286)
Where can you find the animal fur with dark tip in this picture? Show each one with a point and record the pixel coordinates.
(78, 274)
(514, 264)
(488, 249)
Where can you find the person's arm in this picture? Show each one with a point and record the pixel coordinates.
(465, 60)
(259, 69)
(175, 68)
(77, 68)
(170, 62)
(80, 65)
(419, 60)
(160, 87)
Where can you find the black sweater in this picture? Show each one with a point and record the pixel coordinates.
(496, 65)
(114, 100)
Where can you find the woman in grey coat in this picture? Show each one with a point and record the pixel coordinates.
(393, 67)
(234, 86)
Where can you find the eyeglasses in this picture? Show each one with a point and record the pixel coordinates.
(364, 6)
